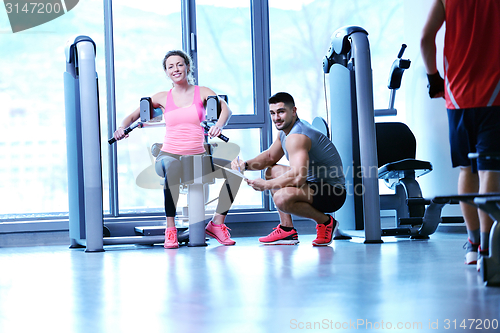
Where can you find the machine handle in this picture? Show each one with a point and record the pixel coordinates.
(221, 136)
(400, 54)
(486, 156)
(127, 131)
(398, 67)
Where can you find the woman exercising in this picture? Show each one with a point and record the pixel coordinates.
(183, 110)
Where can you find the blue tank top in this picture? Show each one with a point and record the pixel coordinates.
(325, 163)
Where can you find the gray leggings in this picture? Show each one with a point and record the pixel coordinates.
(169, 166)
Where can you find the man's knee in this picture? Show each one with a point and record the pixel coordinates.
(281, 200)
(284, 199)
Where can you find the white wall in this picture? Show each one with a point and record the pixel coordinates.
(427, 118)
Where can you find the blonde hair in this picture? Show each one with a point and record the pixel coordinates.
(187, 60)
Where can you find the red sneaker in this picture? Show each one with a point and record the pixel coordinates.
(219, 232)
(324, 233)
(280, 237)
(171, 238)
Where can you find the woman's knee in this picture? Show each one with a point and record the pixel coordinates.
(170, 167)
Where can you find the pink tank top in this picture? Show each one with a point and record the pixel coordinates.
(184, 135)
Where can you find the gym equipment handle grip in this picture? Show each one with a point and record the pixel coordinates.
(403, 47)
(127, 131)
(221, 136)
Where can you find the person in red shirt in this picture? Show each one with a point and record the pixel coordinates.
(471, 88)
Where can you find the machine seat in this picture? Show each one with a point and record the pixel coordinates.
(402, 169)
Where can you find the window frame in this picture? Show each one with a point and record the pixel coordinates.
(259, 11)
(259, 120)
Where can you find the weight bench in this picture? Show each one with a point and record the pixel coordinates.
(490, 203)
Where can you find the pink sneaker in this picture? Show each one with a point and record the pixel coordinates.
(324, 233)
(280, 237)
(219, 232)
(480, 255)
(171, 238)
(471, 252)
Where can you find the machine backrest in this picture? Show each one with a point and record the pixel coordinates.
(395, 142)
(321, 125)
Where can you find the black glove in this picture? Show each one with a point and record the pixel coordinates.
(436, 84)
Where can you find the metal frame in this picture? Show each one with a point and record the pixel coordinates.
(349, 57)
(111, 100)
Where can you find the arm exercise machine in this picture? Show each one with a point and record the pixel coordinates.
(197, 172)
(86, 220)
(374, 151)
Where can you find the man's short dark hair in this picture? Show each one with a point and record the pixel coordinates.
(282, 97)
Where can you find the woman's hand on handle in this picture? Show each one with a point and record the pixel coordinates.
(120, 134)
(214, 131)
(128, 121)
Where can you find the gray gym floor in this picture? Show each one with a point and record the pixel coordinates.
(418, 286)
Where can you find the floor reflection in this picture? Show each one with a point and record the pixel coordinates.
(247, 287)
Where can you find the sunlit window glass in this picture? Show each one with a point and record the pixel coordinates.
(144, 31)
(225, 50)
(300, 32)
(33, 142)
